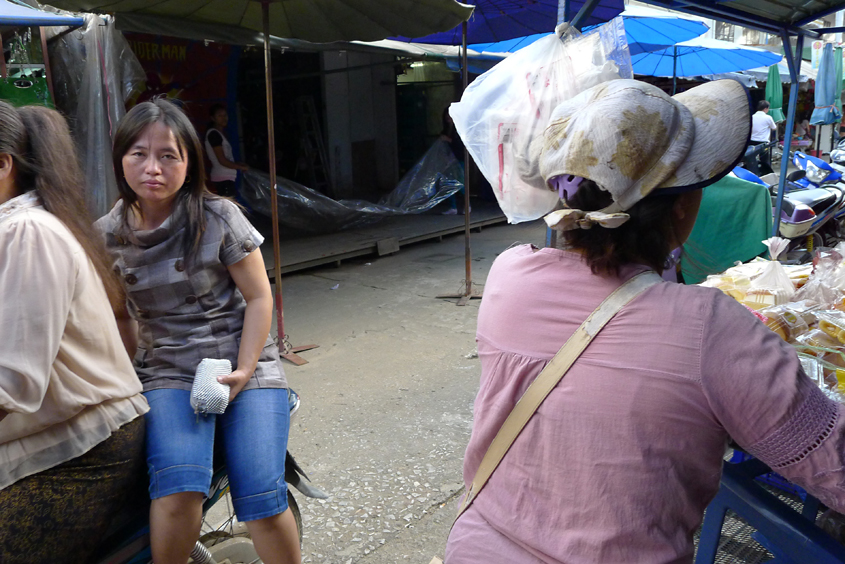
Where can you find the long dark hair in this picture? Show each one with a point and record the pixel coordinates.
(646, 238)
(194, 192)
(45, 160)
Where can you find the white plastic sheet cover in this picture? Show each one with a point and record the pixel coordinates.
(435, 177)
(94, 73)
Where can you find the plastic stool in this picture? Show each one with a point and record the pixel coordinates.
(791, 537)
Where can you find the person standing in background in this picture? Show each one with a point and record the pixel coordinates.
(762, 126)
(224, 169)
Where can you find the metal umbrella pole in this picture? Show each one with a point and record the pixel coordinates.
(468, 293)
(674, 70)
(794, 64)
(285, 349)
(467, 163)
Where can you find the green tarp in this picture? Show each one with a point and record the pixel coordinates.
(774, 94)
(735, 217)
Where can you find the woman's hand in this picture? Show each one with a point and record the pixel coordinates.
(236, 382)
(250, 276)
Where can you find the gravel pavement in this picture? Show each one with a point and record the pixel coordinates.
(387, 397)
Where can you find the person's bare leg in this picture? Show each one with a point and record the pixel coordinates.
(175, 522)
(276, 539)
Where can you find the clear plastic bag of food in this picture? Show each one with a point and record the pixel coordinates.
(828, 377)
(787, 322)
(503, 113)
(826, 284)
(772, 286)
(816, 342)
(832, 322)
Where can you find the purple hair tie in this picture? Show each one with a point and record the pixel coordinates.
(566, 185)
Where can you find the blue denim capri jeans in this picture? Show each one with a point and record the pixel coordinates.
(254, 430)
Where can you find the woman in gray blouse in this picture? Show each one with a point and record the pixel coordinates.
(197, 288)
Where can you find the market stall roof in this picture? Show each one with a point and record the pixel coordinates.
(771, 16)
(498, 20)
(12, 14)
(318, 21)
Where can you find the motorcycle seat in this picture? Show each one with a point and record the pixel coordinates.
(818, 199)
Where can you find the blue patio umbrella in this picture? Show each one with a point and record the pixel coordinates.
(498, 20)
(17, 15)
(646, 30)
(826, 111)
(701, 56)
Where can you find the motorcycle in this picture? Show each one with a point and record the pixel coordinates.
(128, 540)
(807, 211)
(818, 171)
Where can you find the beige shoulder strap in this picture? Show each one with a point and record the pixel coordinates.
(551, 375)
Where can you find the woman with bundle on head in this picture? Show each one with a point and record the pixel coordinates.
(71, 431)
(620, 459)
(197, 288)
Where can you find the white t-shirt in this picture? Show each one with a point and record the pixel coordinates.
(761, 124)
(219, 173)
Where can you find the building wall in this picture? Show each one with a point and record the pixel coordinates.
(361, 132)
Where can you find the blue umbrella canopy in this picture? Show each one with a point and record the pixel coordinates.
(498, 20)
(701, 56)
(646, 30)
(825, 97)
(17, 15)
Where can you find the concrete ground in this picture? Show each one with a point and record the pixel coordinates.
(387, 398)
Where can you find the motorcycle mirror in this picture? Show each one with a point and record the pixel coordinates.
(796, 175)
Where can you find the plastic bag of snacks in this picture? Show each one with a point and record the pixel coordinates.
(832, 323)
(828, 377)
(737, 282)
(772, 286)
(789, 321)
(827, 284)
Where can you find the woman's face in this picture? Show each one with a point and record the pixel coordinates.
(155, 167)
(220, 118)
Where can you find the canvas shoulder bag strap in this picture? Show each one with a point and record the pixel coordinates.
(551, 375)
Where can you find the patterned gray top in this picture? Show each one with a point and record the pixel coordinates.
(187, 310)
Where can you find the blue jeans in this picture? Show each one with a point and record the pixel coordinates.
(254, 430)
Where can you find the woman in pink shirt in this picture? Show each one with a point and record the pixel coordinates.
(621, 459)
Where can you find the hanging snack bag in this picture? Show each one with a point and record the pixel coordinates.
(772, 286)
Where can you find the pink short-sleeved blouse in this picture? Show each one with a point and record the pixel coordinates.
(624, 455)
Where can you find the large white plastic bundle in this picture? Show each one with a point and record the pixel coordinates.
(503, 113)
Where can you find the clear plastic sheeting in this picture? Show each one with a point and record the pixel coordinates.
(435, 177)
(94, 73)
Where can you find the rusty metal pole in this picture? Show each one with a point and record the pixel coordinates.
(2, 59)
(466, 294)
(271, 144)
(47, 72)
(467, 163)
